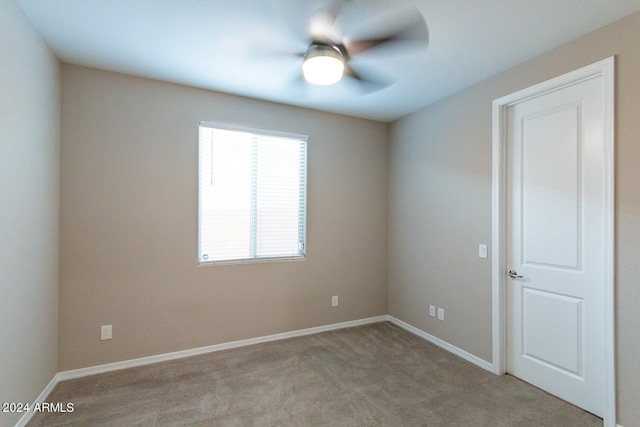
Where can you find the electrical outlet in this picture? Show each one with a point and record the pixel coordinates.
(441, 314)
(106, 332)
(432, 310)
(334, 301)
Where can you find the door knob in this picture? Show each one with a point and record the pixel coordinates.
(514, 275)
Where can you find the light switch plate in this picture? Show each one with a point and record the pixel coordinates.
(482, 251)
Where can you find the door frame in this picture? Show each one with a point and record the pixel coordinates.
(605, 69)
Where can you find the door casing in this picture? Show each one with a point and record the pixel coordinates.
(605, 69)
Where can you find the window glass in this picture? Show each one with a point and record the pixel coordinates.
(252, 194)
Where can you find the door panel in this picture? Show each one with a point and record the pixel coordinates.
(551, 188)
(547, 316)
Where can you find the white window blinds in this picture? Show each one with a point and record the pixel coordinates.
(252, 194)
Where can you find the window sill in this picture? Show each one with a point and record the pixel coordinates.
(251, 261)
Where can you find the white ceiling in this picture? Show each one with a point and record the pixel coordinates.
(238, 46)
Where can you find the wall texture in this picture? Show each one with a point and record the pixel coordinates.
(29, 193)
(129, 223)
(440, 203)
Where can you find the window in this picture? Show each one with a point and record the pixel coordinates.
(252, 194)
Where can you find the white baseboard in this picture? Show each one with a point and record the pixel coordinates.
(443, 344)
(26, 417)
(84, 372)
(93, 370)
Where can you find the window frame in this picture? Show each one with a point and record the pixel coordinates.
(302, 138)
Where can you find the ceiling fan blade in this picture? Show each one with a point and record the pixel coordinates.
(324, 25)
(366, 82)
(275, 54)
(409, 28)
(309, 21)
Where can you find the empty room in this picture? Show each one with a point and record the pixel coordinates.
(319, 212)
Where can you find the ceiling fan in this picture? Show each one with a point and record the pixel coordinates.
(333, 41)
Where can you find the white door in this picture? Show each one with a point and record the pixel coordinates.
(555, 242)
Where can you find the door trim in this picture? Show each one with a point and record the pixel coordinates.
(606, 70)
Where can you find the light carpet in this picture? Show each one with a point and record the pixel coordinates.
(373, 375)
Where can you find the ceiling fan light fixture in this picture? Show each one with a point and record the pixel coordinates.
(323, 64)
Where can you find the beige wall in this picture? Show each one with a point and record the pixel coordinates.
(129, 223)
(29, 190)
(440, 204)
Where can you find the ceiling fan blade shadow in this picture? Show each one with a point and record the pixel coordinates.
(409, 30)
